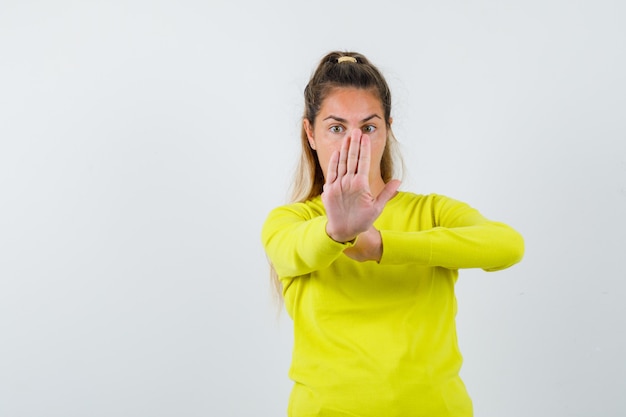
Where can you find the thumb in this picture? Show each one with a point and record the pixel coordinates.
(387, 193)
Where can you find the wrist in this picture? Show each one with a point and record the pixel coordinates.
(377, 246)
(338, 236)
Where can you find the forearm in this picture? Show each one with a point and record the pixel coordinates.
(490, 246)
(297, 246)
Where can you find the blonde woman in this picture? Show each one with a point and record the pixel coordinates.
(367, 272)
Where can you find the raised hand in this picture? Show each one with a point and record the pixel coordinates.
(351, 208)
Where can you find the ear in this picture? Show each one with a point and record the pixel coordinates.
(308, 128)
(390, 121)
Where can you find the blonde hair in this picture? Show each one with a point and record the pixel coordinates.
(336, 70)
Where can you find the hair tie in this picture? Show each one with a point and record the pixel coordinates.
(346, 59)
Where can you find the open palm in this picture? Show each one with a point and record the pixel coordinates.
(351, 208)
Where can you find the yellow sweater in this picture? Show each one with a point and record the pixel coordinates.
(379, 339)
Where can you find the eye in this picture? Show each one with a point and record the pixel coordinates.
(369, 129)
(337, 129)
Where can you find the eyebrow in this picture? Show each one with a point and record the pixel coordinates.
(342, 120)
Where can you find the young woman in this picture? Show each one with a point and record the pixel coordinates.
(368, 273)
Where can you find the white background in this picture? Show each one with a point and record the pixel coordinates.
(142, 144)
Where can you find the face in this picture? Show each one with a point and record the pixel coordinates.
(344, 110)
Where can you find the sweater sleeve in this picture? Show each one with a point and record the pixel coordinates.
(296, 242)
(459, 237)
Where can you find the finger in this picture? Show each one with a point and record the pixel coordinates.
(353, 151)
(331, 171)
(387, 193)
(365, 156)
(343, 157)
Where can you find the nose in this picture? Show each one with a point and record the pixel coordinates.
(356, 133)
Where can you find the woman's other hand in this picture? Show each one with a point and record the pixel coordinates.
(368, 246)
